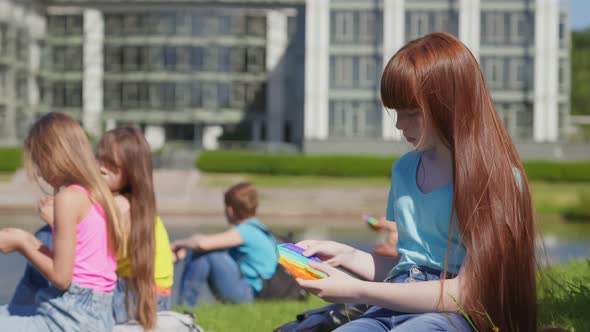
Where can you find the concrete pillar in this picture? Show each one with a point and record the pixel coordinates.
(394, 15)
(317, 63)
(276, 45)
(469, 24)
(546, 110)
(92, 84)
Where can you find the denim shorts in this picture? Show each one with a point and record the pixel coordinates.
(75, 309)
(381, 319)
(120, 303)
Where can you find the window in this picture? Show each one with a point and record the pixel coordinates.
(183, 24)
(519, 73)
(130, 58)
(256, 26)
(367, 72)
(155, 57)
(3, 39)
(562, 31)
(57, 25)
(144, 95)
(255, 62)
(354, 119)
(112, 58)
(198, 25)
(73, 94)
(74, 25)
(343, 27)
(524, 121)
(131, 24)
(168, 24)
(518, 28)
(196, 58)
(211, 26)
(169, 57)
(563, 75)
(155, 96)
(494, 72)
(445, 22)
(224, 95)
(225, 25)
(238, 61)
(195, 95)
(493, 29)
(209, 95)
(419, 24)
(368, 27)
(225, 57)
(130, 95)
(168, 95)
(112, 25)
(183, 58)
(183, 98)
(73, 58)
(3, 81)
(342, 71)
(211, 61)
(22, 45)
(59, 58)
(238, 25)
(238, 95)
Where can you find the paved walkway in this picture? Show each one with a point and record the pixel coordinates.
(181, 194)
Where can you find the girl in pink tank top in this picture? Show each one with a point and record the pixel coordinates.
(86, 235)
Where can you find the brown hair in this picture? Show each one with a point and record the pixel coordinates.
(440, 76)
(57, 149)
(243, 199)
(126, 149)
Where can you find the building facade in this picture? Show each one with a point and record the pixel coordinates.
(303, 72)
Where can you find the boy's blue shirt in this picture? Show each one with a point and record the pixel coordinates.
(422, 220)
(257, 254)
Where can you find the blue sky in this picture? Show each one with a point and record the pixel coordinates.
(579, 14)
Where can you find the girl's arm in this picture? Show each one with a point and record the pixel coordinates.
(70, 206)
(417, 297)
(228, 239)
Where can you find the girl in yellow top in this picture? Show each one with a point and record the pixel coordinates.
(145, 270)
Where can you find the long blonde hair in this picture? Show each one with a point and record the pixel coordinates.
(126, 149)
(58, 150)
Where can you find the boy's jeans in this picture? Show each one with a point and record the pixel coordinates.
(385, 320)
(219, 271)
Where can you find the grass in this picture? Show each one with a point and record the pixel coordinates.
(563, 298)
(5, 176)
(226, 180)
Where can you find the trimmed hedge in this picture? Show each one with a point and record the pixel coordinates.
(11, 159)
(351, 166)
(293, 164)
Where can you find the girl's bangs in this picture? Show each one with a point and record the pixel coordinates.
(105, 153)
(398, 84)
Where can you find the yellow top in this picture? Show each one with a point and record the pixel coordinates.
(163, 265)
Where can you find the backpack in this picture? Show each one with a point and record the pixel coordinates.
(282, 284)
(324, 319)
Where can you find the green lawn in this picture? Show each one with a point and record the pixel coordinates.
(564, 299)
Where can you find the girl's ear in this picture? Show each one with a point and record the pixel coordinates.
(230, 212)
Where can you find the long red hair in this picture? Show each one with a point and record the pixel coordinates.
(492, 203)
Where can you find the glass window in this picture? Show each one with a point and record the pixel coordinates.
(132, 24)
(168, 24)
(57, 25)
(225, 25)
(256, 26)
(183, 98)
(130, 95)
(255, 62)
(155, 95)
(144, 95)
(75, 25)
(519, 72)
(59, 92)
(224, 95)
(198, 25)
(3, 39)
(74, 94)
(343, 27)
(112, 25)
(238, 95)
(238, 61)
(183, 24)
(3, 81)
(169, 57)
(209, 95)
(196, 58)
(130, 58)
(418, 24)
(168, 95)
(73, 58)
(211, 61)
(238, 25)
(494, 72)
(184, 58)
(155, 57)
(494, 28)
(368, 27)
(368, 75)
(59, 58)
(342, 71)
(195, 95)
(518, 28)
(225, 59)
(211, 26)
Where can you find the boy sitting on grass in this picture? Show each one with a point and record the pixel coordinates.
(232, 263)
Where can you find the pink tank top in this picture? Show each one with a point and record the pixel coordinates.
(94, 266)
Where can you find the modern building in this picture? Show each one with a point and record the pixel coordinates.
(304, 72)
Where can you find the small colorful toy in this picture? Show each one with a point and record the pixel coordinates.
(372, 222)
(292, 259)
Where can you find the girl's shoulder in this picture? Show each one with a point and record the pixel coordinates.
(122, 203)
(75, 198)
(406, 161)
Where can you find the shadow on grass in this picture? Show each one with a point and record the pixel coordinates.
(564, 297)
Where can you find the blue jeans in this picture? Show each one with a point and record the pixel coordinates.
(119, 307)
(380, 319)
(76, 309)
(32, 280)
(219, 271)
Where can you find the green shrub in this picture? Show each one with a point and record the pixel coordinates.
(352, 166)
(581, 211)
(11, 159)
(293, 164)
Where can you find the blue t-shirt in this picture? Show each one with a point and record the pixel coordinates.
(422, 220)
(257, 255)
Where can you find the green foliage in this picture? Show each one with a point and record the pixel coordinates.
(580, 212)
(356, 166)
(564, 296)
(11, 159)
(293, 164)
(580, 72)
